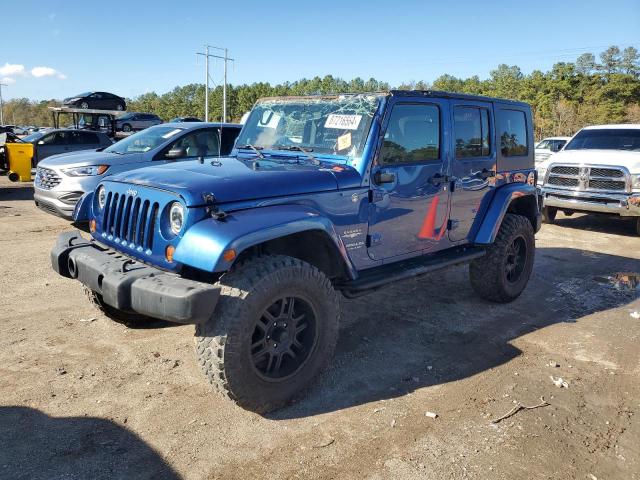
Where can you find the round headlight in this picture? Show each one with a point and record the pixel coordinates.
(176, 217)
(102, 197)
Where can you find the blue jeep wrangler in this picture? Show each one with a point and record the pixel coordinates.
(321, 194)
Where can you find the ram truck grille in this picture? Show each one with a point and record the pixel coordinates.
(589, 178)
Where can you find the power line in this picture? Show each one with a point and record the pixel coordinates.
(1, 106)
(226, 59)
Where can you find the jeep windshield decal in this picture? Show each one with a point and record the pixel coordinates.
(333, 127)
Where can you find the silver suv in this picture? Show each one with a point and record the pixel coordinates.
(62, 179)
(130, 122)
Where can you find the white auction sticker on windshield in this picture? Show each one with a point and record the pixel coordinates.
(343, 122)
(172, 133)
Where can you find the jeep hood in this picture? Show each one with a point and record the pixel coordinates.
(88, 157)
(231, 179)
(621, 158)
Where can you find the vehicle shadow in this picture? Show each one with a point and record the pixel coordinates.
(36, 446)
(598, 223)
(434, 330)
(13, 192)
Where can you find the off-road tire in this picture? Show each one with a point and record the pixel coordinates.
(489, 273)
(549, 214)
(223, 344)
(126, 318)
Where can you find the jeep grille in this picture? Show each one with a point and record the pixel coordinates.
(589, 178)
(46, 178)
(130, 220)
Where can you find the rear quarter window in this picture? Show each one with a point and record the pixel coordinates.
(512, 132)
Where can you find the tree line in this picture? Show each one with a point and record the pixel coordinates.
(564, 99)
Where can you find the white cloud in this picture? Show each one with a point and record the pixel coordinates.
(12, 69)
(7, 80)
(39, 72)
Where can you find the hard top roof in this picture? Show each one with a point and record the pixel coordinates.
(403, 93)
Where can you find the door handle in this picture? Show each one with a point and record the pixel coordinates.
(438, 179)
(484, 174)
(384, 177)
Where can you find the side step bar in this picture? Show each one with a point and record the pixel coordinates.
(378, 277)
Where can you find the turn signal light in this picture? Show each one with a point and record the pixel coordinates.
(168, 253)
(229, 255)
(92, 225)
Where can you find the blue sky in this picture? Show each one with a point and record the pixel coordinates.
(138, 46)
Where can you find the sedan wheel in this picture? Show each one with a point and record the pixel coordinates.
(84, 105)
(120, 107)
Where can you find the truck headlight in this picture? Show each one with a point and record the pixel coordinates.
(85, 171)
(542, 171)
(176, 217)
(635, 182)
(101, 195)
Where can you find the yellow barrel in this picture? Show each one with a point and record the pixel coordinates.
(19, 156)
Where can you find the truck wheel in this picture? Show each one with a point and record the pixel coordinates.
(274, 329)
(549, 214)
(502, 274)
(113, 313)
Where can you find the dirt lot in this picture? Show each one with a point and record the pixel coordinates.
(83, 397)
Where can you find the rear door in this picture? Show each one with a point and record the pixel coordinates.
(409, 185)
(474, 163)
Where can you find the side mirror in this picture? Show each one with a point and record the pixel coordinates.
(175, 152)
(556, 148)
(384, 177)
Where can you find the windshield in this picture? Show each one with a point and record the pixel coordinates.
(606, 139)
(144, 141)
(33, 137)
(336, 125)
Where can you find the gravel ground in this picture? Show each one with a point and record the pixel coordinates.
(83, 397)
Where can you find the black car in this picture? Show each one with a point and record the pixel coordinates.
(97, 100)
(184, 119)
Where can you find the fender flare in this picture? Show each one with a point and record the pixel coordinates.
(82, 211)
(203, 244)
(497, 209)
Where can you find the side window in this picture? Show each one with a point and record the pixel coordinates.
(413, 134)
(57, 138)
(229, 135)
(202, 143)
(89, 138)
(512, 131)
(471, 128)
(545, 144)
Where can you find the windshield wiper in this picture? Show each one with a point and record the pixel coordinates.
(298, 148)
(252, 147)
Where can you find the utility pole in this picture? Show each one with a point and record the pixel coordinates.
(1, 105)
(226, 59)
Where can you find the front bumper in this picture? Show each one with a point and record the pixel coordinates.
(49, 201)
(129, 285)
(625, 205)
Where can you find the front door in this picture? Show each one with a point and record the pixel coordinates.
(409, 183)
(474, 163)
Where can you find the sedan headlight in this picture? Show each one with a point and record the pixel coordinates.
(86, 171)
(635, 182)
(101, 195)
(176, 217)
